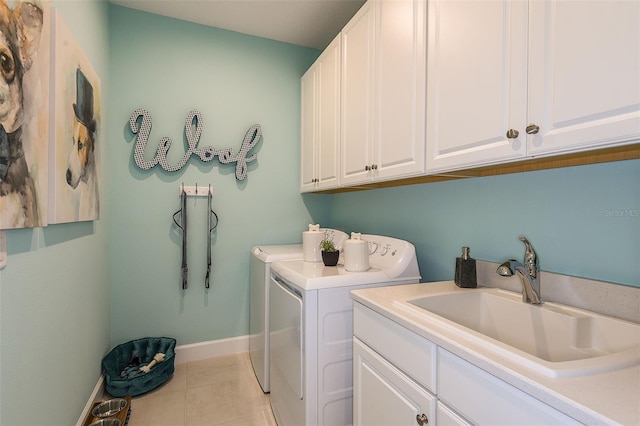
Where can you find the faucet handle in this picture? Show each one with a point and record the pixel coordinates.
(505, 269)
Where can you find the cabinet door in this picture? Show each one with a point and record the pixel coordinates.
(328, 95)
(400, 80)
(308, 171)
(476, 82)
(447, 417)
(584, 89)
(357, 81)
(383, 396)
(320, 121)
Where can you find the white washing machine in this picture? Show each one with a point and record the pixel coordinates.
(311, 331)
(259, 275)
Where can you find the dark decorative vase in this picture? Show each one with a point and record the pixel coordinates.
(330, 258)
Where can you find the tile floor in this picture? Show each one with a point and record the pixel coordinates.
(216, 391)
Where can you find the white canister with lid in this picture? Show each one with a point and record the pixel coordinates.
(311, 244)
(356, 253)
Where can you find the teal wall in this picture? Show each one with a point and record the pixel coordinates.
(170, 67)
(54, 291)
(582, 221)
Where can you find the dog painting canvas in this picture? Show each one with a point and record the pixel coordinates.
(24, 113)
(74, 185)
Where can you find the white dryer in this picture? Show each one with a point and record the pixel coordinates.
(311, 331)
(259, 275)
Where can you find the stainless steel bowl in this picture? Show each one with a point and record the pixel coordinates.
(109, 408)
(106, 422)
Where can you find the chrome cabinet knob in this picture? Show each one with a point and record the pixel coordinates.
(532, 129)
(422, 419)
(512, 134)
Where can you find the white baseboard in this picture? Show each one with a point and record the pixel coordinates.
(96, 395)
(184, 353)
(211, 349)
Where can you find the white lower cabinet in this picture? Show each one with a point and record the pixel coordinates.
(392, 386)
(447, 417)
(387, 396)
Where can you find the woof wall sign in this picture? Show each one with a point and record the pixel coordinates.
(140, 125)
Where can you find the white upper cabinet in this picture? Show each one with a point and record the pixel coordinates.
(308, 156)
(509, 79)
(320, 122)
(411, 87)
(400, 80)
(476, 82)
(383, 91)
(357, 95)
(584, 74)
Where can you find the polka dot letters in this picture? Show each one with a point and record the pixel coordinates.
(140, 124)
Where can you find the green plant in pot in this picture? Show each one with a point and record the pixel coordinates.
(330, 254)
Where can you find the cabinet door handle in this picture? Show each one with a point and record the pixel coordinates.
(532, 129)
(512, 134)
(422, 419)
(374, 167)
(367, 168)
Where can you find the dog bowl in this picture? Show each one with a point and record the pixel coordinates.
(109, 408)
(106, 422)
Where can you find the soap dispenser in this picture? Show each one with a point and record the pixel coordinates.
(465, 276)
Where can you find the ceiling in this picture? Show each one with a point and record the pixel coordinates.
(310, 23)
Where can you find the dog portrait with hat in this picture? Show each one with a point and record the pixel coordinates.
(74, 187)
(81, 171)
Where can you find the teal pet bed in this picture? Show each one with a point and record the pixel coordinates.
(138, 366)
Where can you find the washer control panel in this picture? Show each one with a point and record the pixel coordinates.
(385, 252)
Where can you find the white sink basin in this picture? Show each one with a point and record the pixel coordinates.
(556, 340)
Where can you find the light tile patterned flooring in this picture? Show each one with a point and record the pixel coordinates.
(216, 391)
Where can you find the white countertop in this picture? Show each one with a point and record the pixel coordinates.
(606, 398)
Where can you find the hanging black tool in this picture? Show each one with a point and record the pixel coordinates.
(211, 226)
(183, 227)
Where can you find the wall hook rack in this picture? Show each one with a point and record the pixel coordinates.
(196, 191)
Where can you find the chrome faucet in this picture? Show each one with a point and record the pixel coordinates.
(528, 273)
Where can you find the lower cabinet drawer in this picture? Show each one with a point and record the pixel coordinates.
(383, 395)
(411, 353)
(486, 400)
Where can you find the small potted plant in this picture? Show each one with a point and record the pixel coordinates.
(330, 254)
